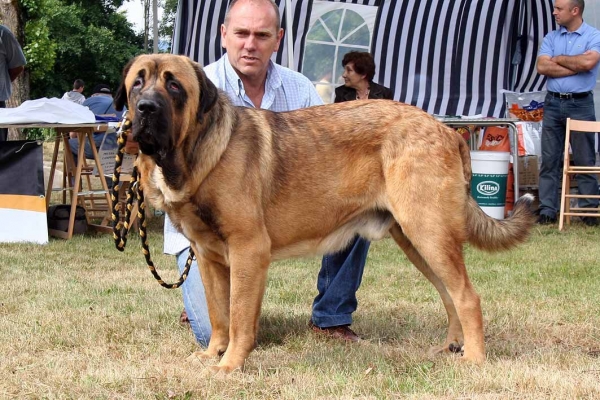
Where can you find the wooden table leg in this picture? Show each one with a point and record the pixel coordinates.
(52, 169)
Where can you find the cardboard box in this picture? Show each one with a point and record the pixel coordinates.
(528, 171)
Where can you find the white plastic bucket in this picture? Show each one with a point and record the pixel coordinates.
(488, 184)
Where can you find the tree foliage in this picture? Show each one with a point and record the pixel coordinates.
(168, 18)
(71, 39)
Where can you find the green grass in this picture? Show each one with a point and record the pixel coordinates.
(78, 319)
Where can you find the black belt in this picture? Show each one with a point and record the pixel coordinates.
(569, 95)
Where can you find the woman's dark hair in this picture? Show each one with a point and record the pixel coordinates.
(363, 63)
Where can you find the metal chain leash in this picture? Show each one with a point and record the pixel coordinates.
(120, 229)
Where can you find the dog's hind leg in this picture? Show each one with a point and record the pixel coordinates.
(430, 208)
(440, 246)
(454, 339)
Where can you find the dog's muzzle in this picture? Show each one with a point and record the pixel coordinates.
(151, 126)
(147, 107)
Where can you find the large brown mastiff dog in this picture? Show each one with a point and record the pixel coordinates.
(249, 186)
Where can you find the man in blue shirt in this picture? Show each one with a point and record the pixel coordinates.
(250, 34)
(100, 103)
(569, 57)
(12, 61)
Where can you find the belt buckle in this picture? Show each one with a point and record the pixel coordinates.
(565, 95)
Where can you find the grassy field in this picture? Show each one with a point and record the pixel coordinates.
(80, 320)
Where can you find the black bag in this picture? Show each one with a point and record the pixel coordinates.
(58, 218)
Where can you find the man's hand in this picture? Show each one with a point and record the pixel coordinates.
(579, 63)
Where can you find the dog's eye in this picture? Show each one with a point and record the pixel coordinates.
(138, 83)
(174, 86)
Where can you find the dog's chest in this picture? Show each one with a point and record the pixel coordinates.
(169, 196)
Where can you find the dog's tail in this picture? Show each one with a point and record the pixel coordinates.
(490, 234)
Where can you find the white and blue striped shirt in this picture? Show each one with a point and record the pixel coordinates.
(285, 90)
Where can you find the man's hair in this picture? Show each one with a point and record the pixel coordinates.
(234, 2)
(102, 88)
(578, 3)
(78, 84)
(363, 63)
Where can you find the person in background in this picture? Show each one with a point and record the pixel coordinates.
(569, 57)
(251, 33)
(12, 61)
(344, 270)
(75, 95)
(100, 103)
(359, 70)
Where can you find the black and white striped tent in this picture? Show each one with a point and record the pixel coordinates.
(448, 57)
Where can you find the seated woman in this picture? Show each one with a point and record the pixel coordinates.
(359, 69)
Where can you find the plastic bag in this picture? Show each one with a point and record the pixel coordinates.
(495, 138)
(525, 106)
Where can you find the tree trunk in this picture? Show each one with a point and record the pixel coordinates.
(146, 24)
(12, 17)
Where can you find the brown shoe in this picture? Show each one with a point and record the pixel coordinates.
(183, 318)
(341, 332)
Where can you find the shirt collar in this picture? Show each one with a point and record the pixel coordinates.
(272, 83)
(579, 31)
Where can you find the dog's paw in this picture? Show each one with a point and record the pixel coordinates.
(473, 358)
(220, 372)
(200, 357)
(452, 347)
(456, 348)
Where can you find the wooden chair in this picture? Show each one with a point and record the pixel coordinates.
(575, 127)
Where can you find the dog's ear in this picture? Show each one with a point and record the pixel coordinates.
(209, 94)
(121, 97)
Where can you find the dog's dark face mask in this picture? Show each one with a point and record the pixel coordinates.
(158, 99)
(150, 109)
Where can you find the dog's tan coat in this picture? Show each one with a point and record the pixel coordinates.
(248, 186)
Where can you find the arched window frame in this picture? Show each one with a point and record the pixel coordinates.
(331, 77)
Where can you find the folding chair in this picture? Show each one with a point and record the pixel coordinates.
(566, 211)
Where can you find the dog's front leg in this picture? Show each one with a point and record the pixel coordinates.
(249, 261)
(215, 277)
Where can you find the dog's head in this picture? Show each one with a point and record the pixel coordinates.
(167, 96)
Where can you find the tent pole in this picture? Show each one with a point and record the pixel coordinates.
(289, 34)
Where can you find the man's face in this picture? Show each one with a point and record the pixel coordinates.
(251, 37)
(563, 12)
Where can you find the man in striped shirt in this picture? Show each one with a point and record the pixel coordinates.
(251, 34)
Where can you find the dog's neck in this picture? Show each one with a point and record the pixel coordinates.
(210, 145)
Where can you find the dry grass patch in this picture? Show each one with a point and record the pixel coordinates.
(79, 319)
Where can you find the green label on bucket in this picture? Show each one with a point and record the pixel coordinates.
(489, 190)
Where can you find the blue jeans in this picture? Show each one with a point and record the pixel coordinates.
(194, 299)
(556, 112)
(337, 283)
(339, 279)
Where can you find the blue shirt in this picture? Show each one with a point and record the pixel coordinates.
(11, 56)
(101, 104)
(285, 90)
(561, 42)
